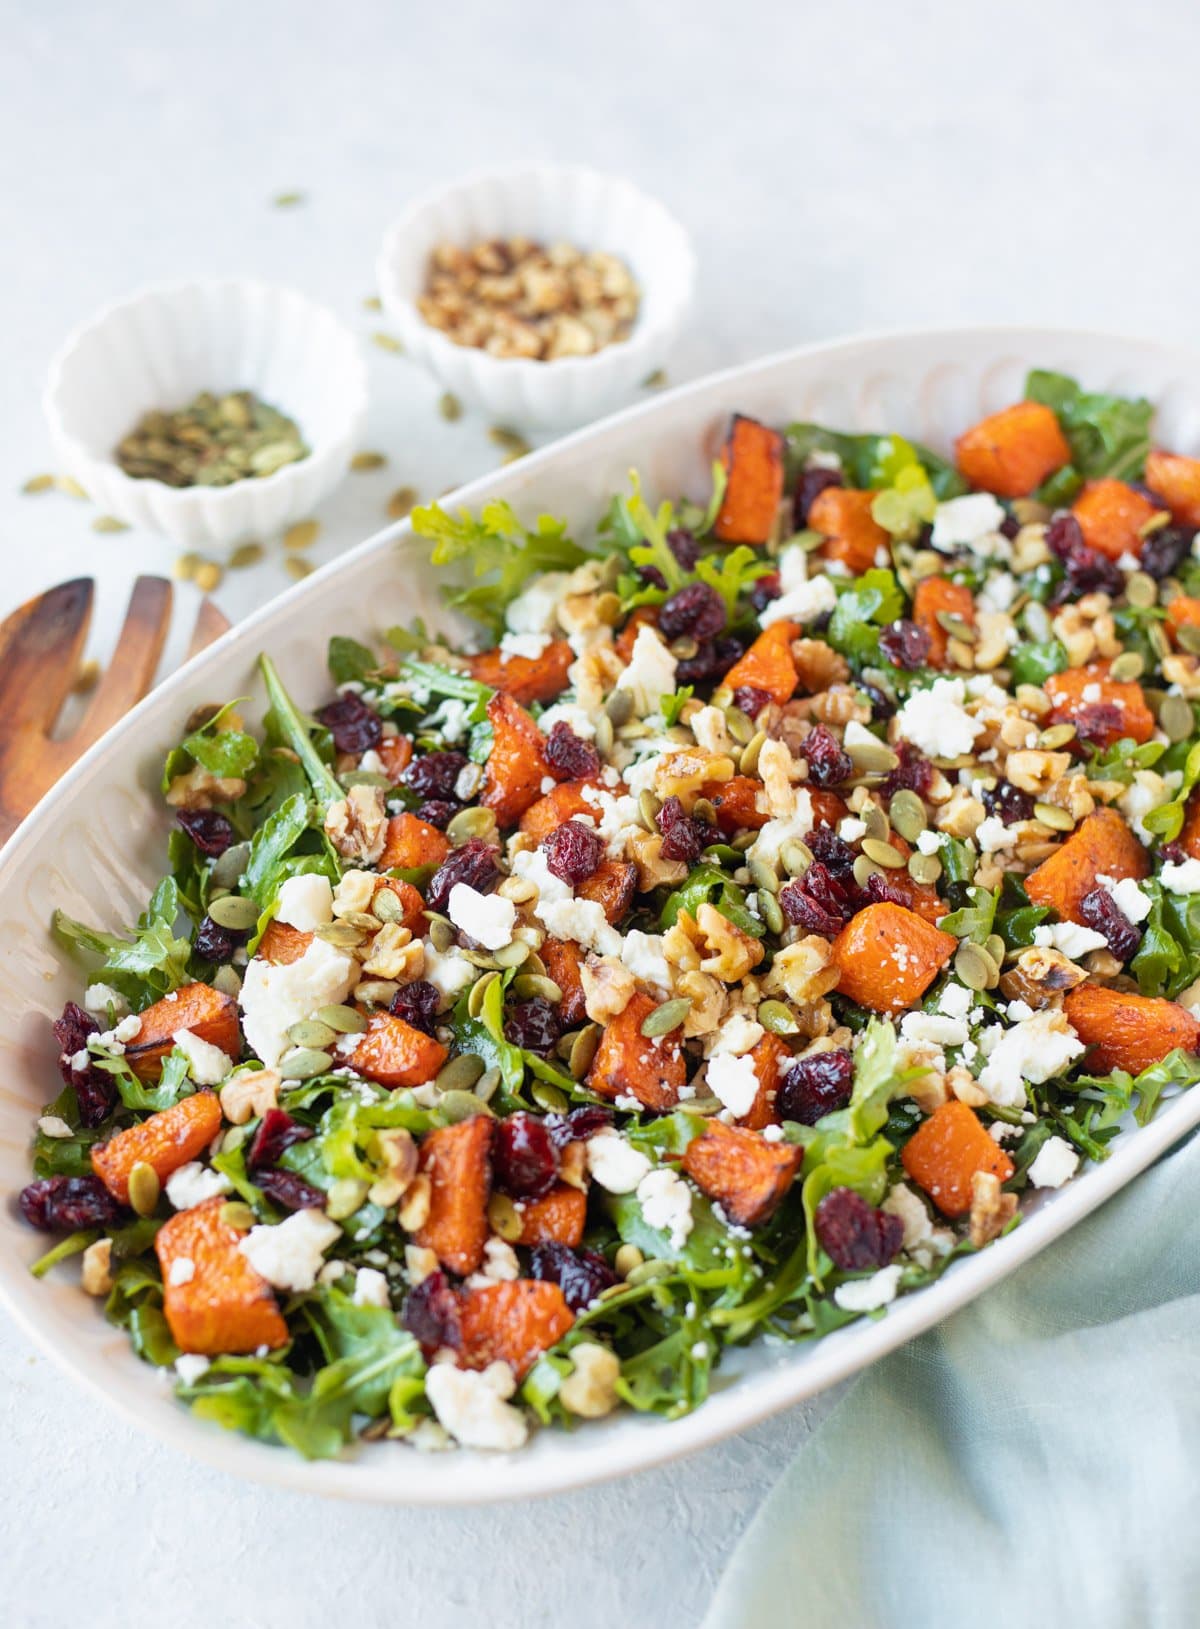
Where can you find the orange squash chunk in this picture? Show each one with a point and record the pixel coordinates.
(852, 534)
(768, 664)
(934, 594)
(746, 1175)
(753, 459)
(512, 1323)
(166, 1141)
(611, 885)
(1102, 846)
(1127, 1031)
(627, 1062)
(558, 1217)
(198, 1007)
(944, 1154)
(917, 896)
(395, 1054)
(412, 843)
(768, 1056)
(525, 678)
(735, 803)
(517, 764)
(562, 959)
(458, 1161)
(395, 752)
(1176, 480)
(556, 808)
(887, 957)
(627, 637)
(1012, 452)
(1183, 612)
(226, 1305)
(1078, 687)
(410, 900)
(1111, 515)
(282, 944)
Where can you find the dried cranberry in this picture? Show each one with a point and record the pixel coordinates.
(1100, 911)
(820, 901)
(569, 757)
(435, 774)
(573, 852)
(474, 863)
(1008, 801)
(913, 773)
(213, 943)
(1174, 852)
(684, 547)
(1087, 570)
(833, 851)
(533, 1025)
(580, 1274)
(1097, 723)
(696, 610)
(71, 1031)
(750, 699)
(683, 837)
(579, 1124)
(431, 1313)
(1164, 551)
(881, 891)
(288, 1190)
(853, 1234)
(211, 831)
(829, 764)
(766, 588)
(883, 706)
(417, 1003)
(96, 1094)
(809, 487)
(355, 727)
(1009, 527)
(525, 1158)
(711, 661)
(905, 644)
(62, 1204)
(815, 1086)
(653, 576)
(277, 1131)
(437, 812)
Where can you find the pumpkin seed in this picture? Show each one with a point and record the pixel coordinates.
(144, 1188)
(234, 911)
(973, 965)
(771, 912)
(387, 342)
(648, 1270)
(237, 1214)
(302, 535)
(442, 934)
(666, 1017)
(512, 955)
(608, 608)
(386, 905)
(1128, 667)
(704, 811)
(504, 1218)
(995, 948)
(246, 554)
(536, 987)
(459, 1074)
(368, 460)
(743, 841)
(1051, 815)
(313, 1033)
(763, 875)
(488, 1084)
(872, 758)
(907, 812)
(648, 808)
(342, 1020)
(627, 1259)
(748, 762)
(478, 991)
(619, 707)
(401, 502)
(450, 407)
(457, 1106)
(481, 958)
(796, 857)
(69, 485)
(366, 921)
(375, 992)
(340, 934)
(345, 1196)
(227, 872)
(776, 1018)
(741, 728)
(1175, 718)
(876, 821)
(605, 735)
(297, 568)
(956, 627)
(1141, 590)
(468, 823)
(924, 868)
(549, 1097)
(38, 483)
(109, 523)
(303, 1062)
(864, 869)
(883, 853)
(1056, 736)
(685, 648)
(469, 781)
(1188, 638)
(583, 1050)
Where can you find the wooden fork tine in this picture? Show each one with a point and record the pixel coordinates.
(134, 662)
(211, 623)
(40, 646)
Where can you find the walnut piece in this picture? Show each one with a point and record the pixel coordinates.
(356, 825)
(991, 1210)
(608, 987)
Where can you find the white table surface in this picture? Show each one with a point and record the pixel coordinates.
(841, 168)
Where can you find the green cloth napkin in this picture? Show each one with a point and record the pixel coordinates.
(1035, 1460)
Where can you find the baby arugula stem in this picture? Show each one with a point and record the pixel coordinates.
(292, 727)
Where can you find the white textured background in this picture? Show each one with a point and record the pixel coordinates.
(841, 167)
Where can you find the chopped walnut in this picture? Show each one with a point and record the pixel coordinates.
(653, 871)
(393, 953)
(399, 1155)
(731, 953)
(1035, 770)
(1040, 977)
(991, 1210)
(965, 1087)
(802, 971)
(709, 1001)
(682, 774)
(608, 987)
(356, 825)
(200, 789)
(962, 815)
(680, 949)
(818, 666)
(96, 1277)
(778, 770)
(355, 892)
(249, 1094)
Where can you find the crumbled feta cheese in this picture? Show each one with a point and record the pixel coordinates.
(792, 565)
(732, 1078)
(500, 1264)
(738, 1034)
(274, 997)
(931, 1029)
(956, 1000)
(643, 955)
(1182, 877)
(371, 1289)
(1126, 896)
(534, 609)
(929, 842)
(193, 1183)
(53, 1125)
(450, 719)
(448, 971)
(807, 601)
(708, 726)
(531, 866)
(666, 1202)
(615, 1163)
(968, 521)
(473, 1405)
(489, 919)
(851, 829)
(577, 719)
(904, 1203)
(182, 1270)
(992, 835)
(868, 1294)
(290, 1254)
(998, 592)
(207, 1064)
(305, 902)
(528, 645)
(100, 997)
(583, 921)
(769, 843)
(189, 1366)
(651, 672)
(1069, 938)
(936, 722)
(1147, 791)
(617, 815)
(1036, 1049)
(1056, 1162)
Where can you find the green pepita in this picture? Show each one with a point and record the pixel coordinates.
(481, 958)
(973, 966)
(907, 812)
(536, 987)
(1175, 718)
(648, 809)
(345, 1197)
(583, 1050)
(227, 871)
(468, 823)
(549, 1098)
(605, 735)
(340, 934)
(883, 854)
(342, 1020)
(442, 934)
(1188, 638)
(512, 955)
(457, 1106)
(237, 1214)
(1056, 736)
(924, 868)
(303, 1062)
(234, 911)
(748, 762)
(459, 1074)
(386, 905)
(666, 1017)
(771, 912)
(763, 874)
(488, 1084)
(956, 627)
(876, 821)
(1128, 667)
(144, 1188)
(995, 948)
(1141, 590)
(741, 728)
(1051, 815)
(864, 869)
(478, 993)
(872, 757)
(775, 1017)
(311, 1032)
(796, 857)
(647, 1271)
(504, 1218)
(619, 707)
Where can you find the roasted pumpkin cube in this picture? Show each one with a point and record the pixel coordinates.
(517, 763)
(208, 1013)
(225, 1305)
(852, 534)
(1012, 452)
(1182, 612)
(735, 803)
(768, 664)
(395, 753)
(395, 1054)
(745, 1174)
(769, 1056)
(1078, 688)
(1128, 1031)
(513, 1323)
(939, 594)
(1189, 837)
(525, 678)
(411, 844)
(557, 807)
(1111, 515)
(1102, 845)
(611, 885)
(282, 944)
(1176, 480)
(166, 1140)
(753, 459)
(887, 957)
(944, 1154)
(558, 1217)
(458, 1162)
(562, 959)
(629, 1063)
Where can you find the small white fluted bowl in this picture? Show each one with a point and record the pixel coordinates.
(163, 345)
(549, 203)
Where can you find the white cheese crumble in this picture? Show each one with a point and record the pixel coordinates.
(615, 1163)
(868, 1294)
(534, 609)
(193, 1183)
(531, 866)
(739, 1033)
(1036, 1049)
(932, 1029)
(992, 835)
(189, 1366)
(489, 919)
(305, 903)
(731, 1077)
(448, 971)
(956, 1001)
(100, 997)
(929, 842)
(371, 1289)
(793, 567)
(182, 1270)
(1070, 938)
(576, 718)
(936, 722)
(651, 672)
(290, 1254)
(643, 955)
(1182, 877)
(807, 601)
(666, 1202)
(973, 522)
(528, 645)
(53, 1125)
(583, 921)
(473, 1405)
(851, 829)
(1056, 1162)
(769, 843)
(1127, 896)
(274, 997)
(1148, 791)
(207, 1064)
(904, 1203)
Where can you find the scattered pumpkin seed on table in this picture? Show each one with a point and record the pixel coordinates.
(213, 441)
(387, 342)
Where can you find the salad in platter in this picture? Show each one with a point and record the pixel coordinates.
(731, 930)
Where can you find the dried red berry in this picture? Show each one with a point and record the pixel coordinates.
(1097, 723)
(525, 1159)
(211, 831)
(750, 699)
(1164, 551)
(809, 487)
(63, 1204)
(579, 1124)
(213, 943)
(277, 1131)
(580, 1274)
(829, 764)
(815, 1086)
(437, 812)
(905, 644)
(854, 1235)
(696, 611)
(573, 852)
(711, 661)
(431, 1313)
(570, 758)
(684, 838)
(96, 1094)
(288, 1190)
(1008, 801)
(833, 851)
(820, 901)
(684, 547)
(766, 588)
(354, 726)
(533, 1025)
(474, 863)
(1087, 570)
(1100, 911)
(71, 1031)
(435, 774)
(417, 1003)
(913, 773)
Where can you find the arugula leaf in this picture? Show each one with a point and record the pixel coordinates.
(644, 533)
(738, 571)
(483, 1037)
(671, 706)
(295, 733)
(349, 661)
(501, 550)
(1167, 820)
(975, 921)
(1119, 1089)
(270, 848)
(1108, 435)
(1033, 663)
(863, 607)
(708, 883)
(135, 1304)
(1168, 958)
(872, 460)
(217, 745)
(428, 679)
(145, 967)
